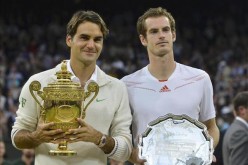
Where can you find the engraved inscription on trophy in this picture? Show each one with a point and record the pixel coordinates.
(176, 140)
(63, 101)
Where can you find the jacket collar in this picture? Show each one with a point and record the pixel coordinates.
(242, 121)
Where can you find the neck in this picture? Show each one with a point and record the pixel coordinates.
(27, 161)
(162, 67)
(82, 71)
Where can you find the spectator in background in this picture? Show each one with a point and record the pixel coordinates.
(3, 124)
(3, 100)
(3, 67)
(11, 118)
(27, 158)
(235, 143)
(224, 123)
(2, 154)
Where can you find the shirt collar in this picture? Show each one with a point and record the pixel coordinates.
(76, 79)
(242, 120)
(150, 76)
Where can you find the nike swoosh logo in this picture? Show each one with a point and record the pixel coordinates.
(99, 100)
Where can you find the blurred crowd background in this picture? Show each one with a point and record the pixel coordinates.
(211, 35)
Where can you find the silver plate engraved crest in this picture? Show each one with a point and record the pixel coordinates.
(176, 140)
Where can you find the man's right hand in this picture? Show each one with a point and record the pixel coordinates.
(44, 133)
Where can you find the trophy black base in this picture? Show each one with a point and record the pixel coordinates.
(62, 153)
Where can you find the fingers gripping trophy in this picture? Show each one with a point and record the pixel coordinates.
(63, 102)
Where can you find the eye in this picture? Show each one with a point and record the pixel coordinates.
(166, 29)
(98, 39)
(84, 37)
(153, 31)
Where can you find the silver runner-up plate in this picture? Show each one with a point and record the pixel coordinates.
(176, 140)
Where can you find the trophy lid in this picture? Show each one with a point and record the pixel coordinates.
(64, 78)
(63, 88)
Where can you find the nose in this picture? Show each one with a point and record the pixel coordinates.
(161, 34)
(90, 43)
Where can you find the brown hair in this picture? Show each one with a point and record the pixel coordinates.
(154, 12)
(82, 16)
(241, 99)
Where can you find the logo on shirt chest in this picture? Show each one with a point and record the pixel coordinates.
(164, 89)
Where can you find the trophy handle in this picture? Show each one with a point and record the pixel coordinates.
(92, 87)
(36, 86)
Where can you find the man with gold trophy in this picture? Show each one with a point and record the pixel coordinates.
(74, 113)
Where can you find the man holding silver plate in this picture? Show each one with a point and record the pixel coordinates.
(172, 104)
(75, 107)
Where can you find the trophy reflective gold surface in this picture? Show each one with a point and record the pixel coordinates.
(176, 140)
(63, 102)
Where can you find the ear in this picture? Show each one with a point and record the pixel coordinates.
(174, 36)
(143, 40)
(241, 110)
(68, 40)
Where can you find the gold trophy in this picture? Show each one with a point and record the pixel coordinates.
(63, 102)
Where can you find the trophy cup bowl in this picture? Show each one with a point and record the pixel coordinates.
(63, 102)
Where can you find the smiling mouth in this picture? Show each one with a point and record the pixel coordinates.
(90, 53)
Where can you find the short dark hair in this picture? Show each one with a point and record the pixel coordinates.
(241, 99)
(154, 12)
(82, 16)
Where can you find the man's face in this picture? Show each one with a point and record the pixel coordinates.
(87, 43)
(246, 114)
(159, 37)
(28, 153)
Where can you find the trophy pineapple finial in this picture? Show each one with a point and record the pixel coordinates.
(63, 74)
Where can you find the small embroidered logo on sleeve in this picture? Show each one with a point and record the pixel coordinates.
(23, 102)
(165, 89)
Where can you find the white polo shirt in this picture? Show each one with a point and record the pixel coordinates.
(188, 91)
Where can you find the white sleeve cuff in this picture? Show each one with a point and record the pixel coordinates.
(114, 150)
(122, 149)
(13, 133)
